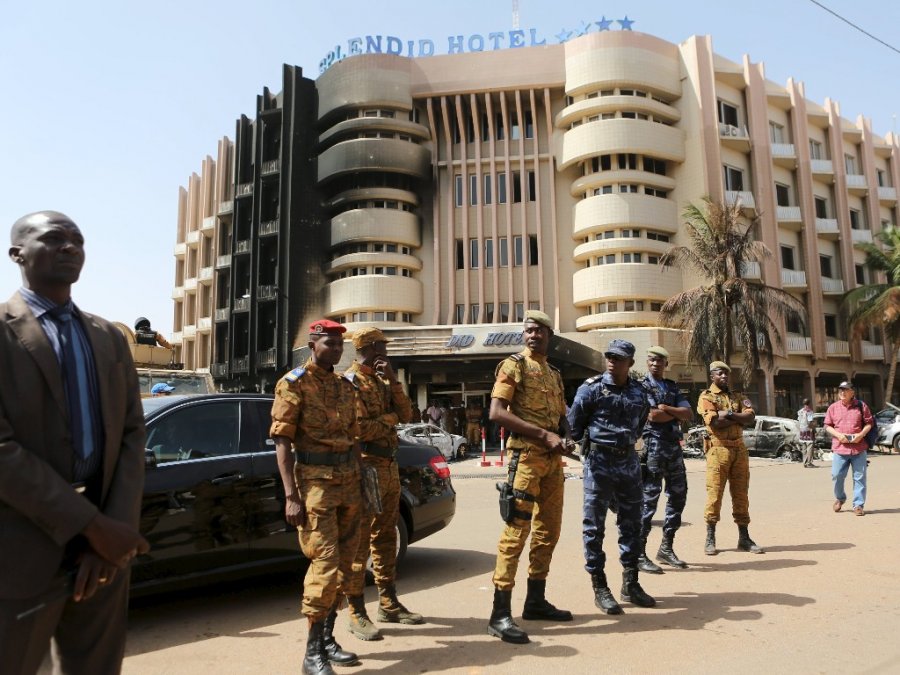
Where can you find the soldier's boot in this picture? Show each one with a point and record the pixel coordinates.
(360, 624)
(336, 654)
(603, 597)
(745, 543)
(315, 661)
(644, 563)
(632, 591)
(501, 624)
(666, 554)
(391, 610)
(537, 608)
(710, 548)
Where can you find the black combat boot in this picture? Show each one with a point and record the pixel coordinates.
(536, 606)
(632, 591)
(710, 548)
(644, 563)
(501, 624)
(745, 543)
(315, 662)
(603, 597)
(336, 654)
(666, 554)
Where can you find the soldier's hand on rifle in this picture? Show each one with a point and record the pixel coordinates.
(294, 510)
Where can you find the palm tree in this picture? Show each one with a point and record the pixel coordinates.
(878, 304)
(726, 305)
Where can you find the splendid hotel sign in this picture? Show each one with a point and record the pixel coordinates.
(457, 44)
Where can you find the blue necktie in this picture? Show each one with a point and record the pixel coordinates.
(76, 385)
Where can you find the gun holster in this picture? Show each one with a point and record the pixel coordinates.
(507, 502)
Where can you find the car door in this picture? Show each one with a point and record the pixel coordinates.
(197, 491)
(750, 436)
(769, 437)
(441, 440)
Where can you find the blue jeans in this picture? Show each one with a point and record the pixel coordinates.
(840, 464)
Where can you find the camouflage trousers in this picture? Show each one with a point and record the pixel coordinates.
(731, 465)
(473, 434)
(330, 535)
(607, 477)
(540, 475)
(377, 532)
(665, 462)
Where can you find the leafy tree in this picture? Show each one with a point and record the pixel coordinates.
(878, 304)
(726, 304)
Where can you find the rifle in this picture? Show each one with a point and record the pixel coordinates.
(61, 588)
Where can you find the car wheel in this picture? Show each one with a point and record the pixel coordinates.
(402, 544)
(896, 443)
(786, 452)
(462, 451)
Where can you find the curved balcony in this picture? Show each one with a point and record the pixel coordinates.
(620, 135)
(375, 258)
(366, 80)
(623, 281)
(606, 104)
(360, 124)
(374, 292)
(595, 180)
(610, 59)
(611, 319)
(375, 154)
(604, 246)
(364, 194)
(392, 225)
(601, 212)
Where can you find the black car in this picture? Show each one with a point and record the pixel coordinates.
(213, 502)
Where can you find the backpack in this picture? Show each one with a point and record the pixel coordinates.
(872, 436)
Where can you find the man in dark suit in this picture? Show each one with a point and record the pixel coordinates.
(71, 464)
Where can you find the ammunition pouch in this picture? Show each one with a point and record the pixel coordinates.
(509, 495)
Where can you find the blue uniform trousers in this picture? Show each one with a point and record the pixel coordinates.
(608, 477)
(665, 462)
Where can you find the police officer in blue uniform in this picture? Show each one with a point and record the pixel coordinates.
(663, 459)
(608, 414)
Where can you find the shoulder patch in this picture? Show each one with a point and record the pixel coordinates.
(295, 374)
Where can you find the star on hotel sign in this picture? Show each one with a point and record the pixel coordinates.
(603, 24)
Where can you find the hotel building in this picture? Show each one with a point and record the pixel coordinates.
(441, 197)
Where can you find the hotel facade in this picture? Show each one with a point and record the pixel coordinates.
(441, 197)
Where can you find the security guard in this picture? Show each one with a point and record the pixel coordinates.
(314, 427)
(473, 423)
(528, 399)
(725, 414)
(381, 404)
(663, 459)
(609, 412)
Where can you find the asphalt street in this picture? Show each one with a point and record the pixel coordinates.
(824, 598)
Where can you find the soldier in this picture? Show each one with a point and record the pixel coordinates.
(314, 427)
(609, 412)
(381, 404)
(473, 423)
(725, 414)
(527, 399)
(663, 459)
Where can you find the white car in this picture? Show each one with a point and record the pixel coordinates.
(450, 445)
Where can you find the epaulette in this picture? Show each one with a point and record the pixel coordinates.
(517, 357)
(593, 379)
(295, 374)
(552, 367)
(350, 376)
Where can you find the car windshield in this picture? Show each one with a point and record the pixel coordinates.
(153, 404)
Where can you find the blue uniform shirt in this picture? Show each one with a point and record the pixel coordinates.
(608, 414)
(667, 392)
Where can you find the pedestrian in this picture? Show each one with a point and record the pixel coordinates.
(446, 422)
(416, 413)
(608, 413)
(663, 459)
(725, 414)
(71, 463)
(807, 433)
(314, 428)
(473, 423)
(528, 400)
(847, 421)
(381, 404)
(433, 413)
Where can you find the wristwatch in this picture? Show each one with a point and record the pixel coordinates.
(729, 414)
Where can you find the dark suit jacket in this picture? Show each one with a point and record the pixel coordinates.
(39, 510)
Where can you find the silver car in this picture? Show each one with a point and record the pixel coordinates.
(769, 436)
(451, 446)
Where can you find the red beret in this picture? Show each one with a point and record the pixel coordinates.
(326, 326)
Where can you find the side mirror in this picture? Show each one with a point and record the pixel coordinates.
(149, 459)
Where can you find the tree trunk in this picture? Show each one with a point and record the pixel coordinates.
(889, 388)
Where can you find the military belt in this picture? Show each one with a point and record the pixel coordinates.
(323, 458)
(721, 442)
(612, 449)
(378, 451)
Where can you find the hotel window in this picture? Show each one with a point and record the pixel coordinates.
(821, 207)
(655, 306)
(856, 220)
(457, 180)
(504, 252)
(498, 122)
(454, 129)
(378, 270)
(532, 250)
(882, 178)
(473, 254)
(815, 150)
(488, 253)
(627, 161)
(359, 271)
(414, 115)
(782, 194)
(520, 312)
(404, 250)
(534, 305)
(390, 248)
(391, 271)
(628, 187)
(529, 125)
(473, 190)
(532, 188)
(607, 92)
(517, 187)
(517, 251)
(860, 274)
(504, 312)
(632, 257)
(734, 178)
(377, 316)
(488, 312)
(460, 255)
(608, 234)
(653, 259)
(654, 192)
(460, 313)
(605, 190)
(631, 234)
(470, 129)
(850, 165)
(608, 259)
(657, 236)
(776, 132)
(608, 116)
(405, 272)
(514, 132)
(825, 265)
(634, 305)
(653, 165)
(485, 130)
(787, 258)
(728, 114)
(793, 325)
(831, 329)
(501, 187)
(473, 314)
(407, 317)
(487, 192)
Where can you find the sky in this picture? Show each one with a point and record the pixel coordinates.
(106, 108)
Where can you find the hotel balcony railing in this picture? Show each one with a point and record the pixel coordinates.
(827, 226)
(856, 182)
(180, 249)
(241, 305)
(788, 213)
(240, 365)
(830, 285)
(193, 238)
(861, 236)
(223, 260)
(222, 313)
(872, 351)
(208, 224)
(750, 270)
(793, 278)
(225, 208)
(178, 293)
(272, 166)
(887, 194)
(204, 324)
(732, 136)
(739, 340)
(745, 197)
(243, 190)
(835, 346)
(821, 166)
(190, 284)
(268, 227)
(799, 344)
(242, 246)
(189, 331)
(268, 292)
(206, 275)
(218, 369)
(266, 357)
(784, 153)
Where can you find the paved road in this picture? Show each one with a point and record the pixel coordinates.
(825, 598)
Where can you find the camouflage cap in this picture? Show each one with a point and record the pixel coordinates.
(719, 365)
(368, 336)
(620, 348)
(658, 351)
(539, 317)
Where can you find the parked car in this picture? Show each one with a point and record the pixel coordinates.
(451, 445)
(823, 439)
(888, 427)
(213, 502)
(769, 436)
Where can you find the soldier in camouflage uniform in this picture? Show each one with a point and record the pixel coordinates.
(314, 427)
(527, 399)
(473, 424)
(725, 414)
(609, 412)
(381, 404)
(663, 459)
